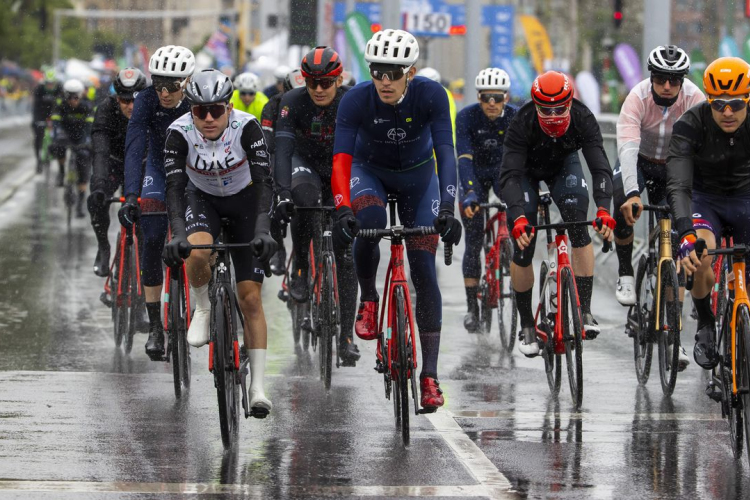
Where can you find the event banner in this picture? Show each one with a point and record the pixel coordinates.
(538, 41)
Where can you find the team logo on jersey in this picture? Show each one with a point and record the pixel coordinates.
(284, 112)
(435, 207)
(235, 125)
(395, 134)
(188, 214)
(353, 182)
(148, 181)
(256, 144)
(378, 121)
(408, 120)
(187, 128)
(338, 199)
(571, 181)
(451, 190)
(261, 153)
(490, 143)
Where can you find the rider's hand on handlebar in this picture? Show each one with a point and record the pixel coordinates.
(607, 223)
(520, 233)
(345, 227)
(689, 260)
(284, 208)
(627, 210)
(177, 249)
(264, 246)
(470, 204)
(130, 211)
(447, 225)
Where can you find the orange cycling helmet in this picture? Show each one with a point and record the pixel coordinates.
(727, 75)
(552, 89)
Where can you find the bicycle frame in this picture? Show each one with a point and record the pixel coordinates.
(126, 237)
(737, 285)
(496, 232)
(665, 255)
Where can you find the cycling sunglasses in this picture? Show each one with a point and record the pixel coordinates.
(389, 71)
(553, 111)
(202, 110)
(734, 104)
(486, 98)
(125, 100)
(324, 83)
(663, 79)
(248, 93)
(162, 83)
(70, 96)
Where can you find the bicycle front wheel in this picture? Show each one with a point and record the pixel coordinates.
(402, 341)
(572, 336)
(552, 361)
(668, 331)
(328, 320)
(742, 372)
(178, 335)
(119, 301)
(227, 391)
(507, 313)
(134, 299)
(643, 346)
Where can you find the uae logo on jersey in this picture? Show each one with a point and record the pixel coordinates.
(397, 134)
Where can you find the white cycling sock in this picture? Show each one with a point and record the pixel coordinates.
(199, 297)
(257, 370)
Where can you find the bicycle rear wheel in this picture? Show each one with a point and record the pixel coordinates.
(668, 331)
(572, 336)
(485, 305)
(178, 335)
(328, 320)
(402, 341)
(226, 389)
(742, 374)
(507, 313)
(134, 299)
(119, 301)
(552, 361)
(643, 346)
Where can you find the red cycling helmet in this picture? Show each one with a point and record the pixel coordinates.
(321, 62)
(551, 89)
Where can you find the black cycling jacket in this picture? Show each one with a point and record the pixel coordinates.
(705, 158)
(108, 139)
(45, 100)
(268, 118)
(73, 124)
(528, 151)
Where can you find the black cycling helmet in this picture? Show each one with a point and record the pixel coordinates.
(208, 87)
(128, 82)
(321, 62)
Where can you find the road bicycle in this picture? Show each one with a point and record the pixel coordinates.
(655, 316)
(177, 314)
(560, 329)
(300, 311)
(230, 373)
(495, 290)
(70, 186)
(396, 347)
(730, 380)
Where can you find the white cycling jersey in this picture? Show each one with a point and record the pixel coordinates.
(219, 167)
(646, 128)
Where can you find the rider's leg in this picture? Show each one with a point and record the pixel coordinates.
(472, 264)
(99, 213)
(306, 192)
(154, 230)
(369, 204)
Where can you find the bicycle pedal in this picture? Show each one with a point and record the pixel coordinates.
(283, 295)
(259, 412)
(714, 392)
(104, 298)
(379, 367)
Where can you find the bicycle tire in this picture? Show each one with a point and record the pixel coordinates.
(402, 342)
(485, 306)
(643, 346)
(552, 361)
(328, 325)
(507, 312)
(178, 335)
(668, 332)
(572, 336)
(134, 281)
(227, 392)
(119, 313)
(742, 367)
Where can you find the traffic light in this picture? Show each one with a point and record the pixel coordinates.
(617, 14)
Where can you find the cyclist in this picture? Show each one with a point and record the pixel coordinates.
(390, 133)
(248, 97)
(108, 138)
(268, 119)
(227, 175)
(644, 128)
(481, 130)
(708, 183)
(46, 95)
(154, 109)
(303, 166)
(278, 86)
(71, 126)
(542, 143)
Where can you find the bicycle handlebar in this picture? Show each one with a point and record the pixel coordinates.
(700, 246)
(257, 247)
(650, 208)
(499, 205)
(563, 226)
(401, 232)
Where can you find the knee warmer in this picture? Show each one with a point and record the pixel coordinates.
(575, 208)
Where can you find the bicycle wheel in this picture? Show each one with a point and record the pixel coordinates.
(552, 361)
(178, 335)
(507, 313)
(226, 389)
(403, 344)
(742, 374)
(328, 320)
(119, 302)
(572, 336)
(643, 346)
(668, 331)
(134, 299)
(485, 305)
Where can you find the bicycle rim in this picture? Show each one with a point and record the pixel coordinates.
(552, 361)
(119, 312)
(669, 330)
(572, 328)
(485, 306)
(226, 389)
(403, 362)
(177, 338)
(134, 301)
(507, 313)
(742, 364)
(643, 348)
(329, 321)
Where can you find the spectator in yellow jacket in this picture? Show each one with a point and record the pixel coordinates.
(247, 96)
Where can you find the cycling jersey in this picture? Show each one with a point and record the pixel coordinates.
(108, 138)
(395, 138)
(479, 143)
(72, 123)
(705, 159)
(255, 108)
(307, 130)
(149, 122)
(268, 119)
(45, 100)
(452, 110)
(222, 167)
(528, 151)
(644, 128)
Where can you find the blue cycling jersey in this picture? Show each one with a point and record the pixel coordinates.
(399, 137)
(479, 142)
(149, 121)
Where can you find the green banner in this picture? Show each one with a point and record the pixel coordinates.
(698, 66)
(357, 29)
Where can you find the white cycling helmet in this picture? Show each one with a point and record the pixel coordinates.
(172, 60)
(247, 82)
(430, 73)
(281, 71)
(74, 86)
(669, 59)
(392, 47)
(492, 79)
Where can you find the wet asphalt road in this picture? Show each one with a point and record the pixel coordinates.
(79, 419)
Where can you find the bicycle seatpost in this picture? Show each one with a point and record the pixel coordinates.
(700, 247)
